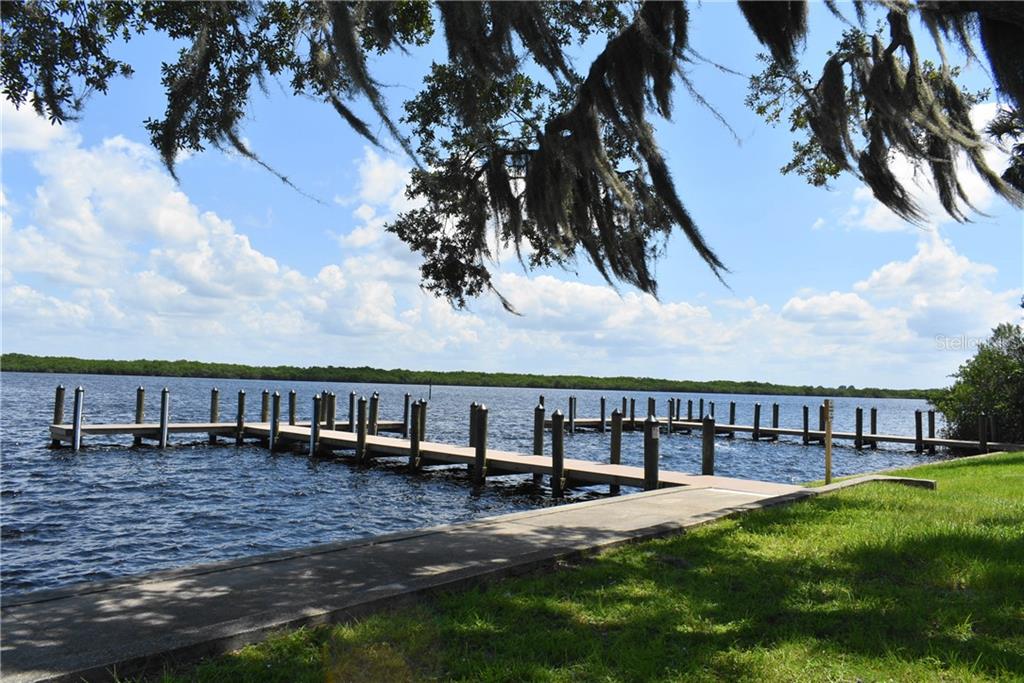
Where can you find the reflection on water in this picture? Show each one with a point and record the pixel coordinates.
(113, 510)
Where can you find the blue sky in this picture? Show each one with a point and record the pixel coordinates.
(105, 256)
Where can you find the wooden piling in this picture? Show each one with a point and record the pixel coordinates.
(775, 421)
(931, 431)
(423, 420)
(414, 437)
(689, 410)
(711, 408)
(140, 412)
(405, 415)
(701, 411)
(240, 418)
(361, 431)
(707, 451)
(265, 405)
(292, 407)
(918, 432)
(214, 411)
(756, 434)
(352, 412)
(165, 415)
(480, 444)
(615, 456)
(76, 419)
(827, 409)
(671, 416)
(679, 409)
(557, 454)
(874, 426)
(58, 411)
(807, 425)
(624, 407)
(858, 437)
(538, 437)
(652, 406)
(632, 414)
(275, 421)
(602, 426)
(732, 419)
(472, 423)
(374, 413)
(314, 424)
(821, 422)
(982, 433)
(652, 433)
(572, 414)
(332, 414)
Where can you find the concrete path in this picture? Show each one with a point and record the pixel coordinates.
(127, 626)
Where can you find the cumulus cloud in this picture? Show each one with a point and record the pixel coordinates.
(105, 246)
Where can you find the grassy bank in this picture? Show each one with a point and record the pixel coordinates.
(20, 362)
(880, 582)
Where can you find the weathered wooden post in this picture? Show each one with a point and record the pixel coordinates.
(931, 431)
(918, 432)
(332, 414)
(352, 412)
(538, 437)
(557, 454)
(732, 419)
(615, 456)
(624, 408)
(807, 425)
(632, 414)
(58, 412)
(140, 412)
(165, 415)
(265, 405)
(828, 440)
(240, 418)
(652, 406)
(689, 410)
(76, 419)
(572, 414)
(472, 423)
(858, 420)
(711, 408)
(414, 437)
(275, 421)
(292, 407)
(874, 426)
(601, 427)
(821, 421)
(405, 415)
(423, 420)
(982, 433)
(361, 431)
(775, 421)
(756, 434)
(480, 443)
(314, 424)
(214, 411)
(374, 413)
(701, 411)
(652, 432)
(707, 451)
(671, 416)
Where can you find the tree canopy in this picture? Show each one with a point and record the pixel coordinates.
(509, 139)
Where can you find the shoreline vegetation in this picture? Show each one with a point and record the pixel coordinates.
(20, 362)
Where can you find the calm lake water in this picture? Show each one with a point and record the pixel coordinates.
(113, 510)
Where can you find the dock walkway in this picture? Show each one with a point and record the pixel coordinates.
(139, 624)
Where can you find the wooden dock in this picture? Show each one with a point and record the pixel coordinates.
(361, 436)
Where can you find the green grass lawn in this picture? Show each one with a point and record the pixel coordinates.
(879, 582)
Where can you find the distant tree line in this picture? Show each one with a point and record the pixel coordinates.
(19, 362)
